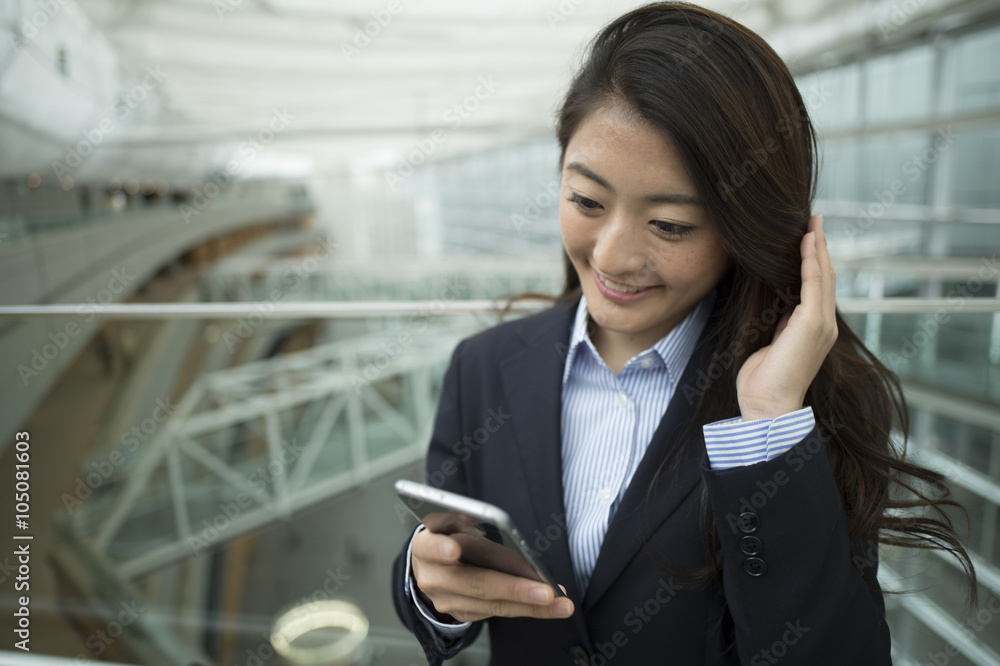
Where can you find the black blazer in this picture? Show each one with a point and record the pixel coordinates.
(802, 599)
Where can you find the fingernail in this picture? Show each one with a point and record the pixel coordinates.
(539, 595)
(445, 550)
(562, 610)
(812, 238)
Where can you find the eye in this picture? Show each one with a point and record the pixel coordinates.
(586, 204)
(671, 229)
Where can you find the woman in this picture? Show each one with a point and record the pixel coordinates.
(696, 442)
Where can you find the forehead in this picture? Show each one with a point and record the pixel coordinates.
(628, 151)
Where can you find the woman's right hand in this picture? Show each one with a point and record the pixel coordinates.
(470, 593)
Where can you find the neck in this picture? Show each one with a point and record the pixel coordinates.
(617, 348)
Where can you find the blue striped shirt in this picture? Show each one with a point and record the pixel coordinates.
(608, 421)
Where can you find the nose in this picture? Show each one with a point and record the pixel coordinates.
(619, 248)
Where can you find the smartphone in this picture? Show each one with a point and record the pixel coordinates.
(486, 533)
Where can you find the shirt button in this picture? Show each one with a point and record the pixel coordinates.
(622, 399)
(647, 363)
(604, 495)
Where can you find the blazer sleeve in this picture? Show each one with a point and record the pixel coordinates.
(798, 591)
(444, 470)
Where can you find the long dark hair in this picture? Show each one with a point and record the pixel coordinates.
(730, 107)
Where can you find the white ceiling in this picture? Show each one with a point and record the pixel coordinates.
(227, 71)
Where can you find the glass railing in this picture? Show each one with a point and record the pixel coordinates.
(227, 466)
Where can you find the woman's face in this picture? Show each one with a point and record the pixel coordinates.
(629, 214)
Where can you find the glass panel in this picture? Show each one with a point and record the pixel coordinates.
(977, 75)
(895, 169)
(899, 86)
(502, 201)
(947, 351)
(216, 468)
(831, 96)
(977, 168)
(839, 171)
(966, 443)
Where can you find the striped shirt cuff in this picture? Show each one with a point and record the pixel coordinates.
(733, 443)
(447, 630)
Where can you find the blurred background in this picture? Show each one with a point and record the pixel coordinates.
(211, 473)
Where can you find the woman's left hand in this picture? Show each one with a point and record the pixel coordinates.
(774, 380)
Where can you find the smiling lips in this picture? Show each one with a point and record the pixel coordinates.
(620, 293)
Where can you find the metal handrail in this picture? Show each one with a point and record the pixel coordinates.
(354, 309)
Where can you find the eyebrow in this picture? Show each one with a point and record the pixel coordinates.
(655, 198)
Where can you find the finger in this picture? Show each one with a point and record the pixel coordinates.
(812, 276)
(819, 284)
(829, 276)
(435, 579)
(482, 583)
(436, 548)
(466, 609)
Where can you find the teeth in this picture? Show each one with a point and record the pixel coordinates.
(619, 287)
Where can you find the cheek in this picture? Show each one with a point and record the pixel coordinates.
(695, 266)
(711, 263)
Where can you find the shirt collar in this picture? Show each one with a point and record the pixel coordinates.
(672, 350)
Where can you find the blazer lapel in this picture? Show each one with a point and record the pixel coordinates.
(532, 382)
(633, 521)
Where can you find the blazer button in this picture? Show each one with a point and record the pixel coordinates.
(579, 656)
(754, 566)
(750, 545)
(747, 522)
